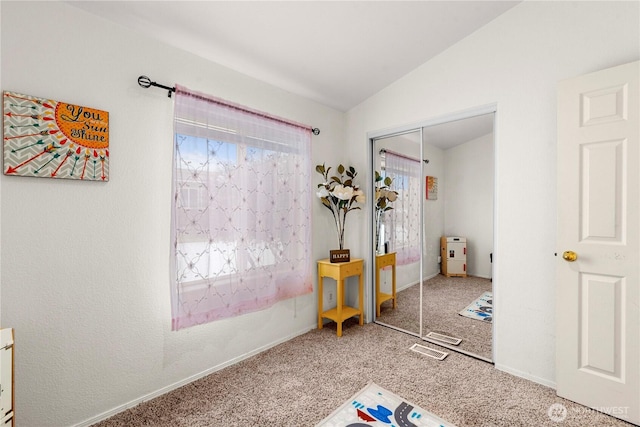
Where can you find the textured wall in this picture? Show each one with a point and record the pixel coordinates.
(85, 280)
(516, 62)
(468, 192)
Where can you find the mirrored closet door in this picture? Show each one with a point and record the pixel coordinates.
(397, 171)
(433, 231)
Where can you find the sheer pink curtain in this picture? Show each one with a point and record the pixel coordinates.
(403, 221)
(241, 223)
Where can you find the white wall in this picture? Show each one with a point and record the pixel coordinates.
(85, 280)
(516, 62)
(468, 193)
(434, 211)
(0, 195)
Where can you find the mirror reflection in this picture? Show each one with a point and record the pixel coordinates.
(436, 237)
(398, 229)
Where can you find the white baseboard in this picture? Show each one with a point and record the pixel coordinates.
(526, 376)
(190, 379)
(408, 285)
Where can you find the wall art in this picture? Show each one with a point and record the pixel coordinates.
(432, 188)
(52, 139)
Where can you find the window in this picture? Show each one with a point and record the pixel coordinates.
(403, 221)
(241, 211)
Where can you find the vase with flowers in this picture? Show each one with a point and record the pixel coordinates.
(339, 193)
(384, 197)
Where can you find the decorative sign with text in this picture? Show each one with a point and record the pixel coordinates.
(51, 139)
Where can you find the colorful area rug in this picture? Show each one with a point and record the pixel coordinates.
(480, 309)
(375, 406)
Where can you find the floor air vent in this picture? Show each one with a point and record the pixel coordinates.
(427, 351)
(444, 338)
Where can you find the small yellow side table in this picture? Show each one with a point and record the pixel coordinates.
(383, 261)
(338, 272)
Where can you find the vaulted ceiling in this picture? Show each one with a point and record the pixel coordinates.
(337, 53)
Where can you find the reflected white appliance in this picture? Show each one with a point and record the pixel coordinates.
(453, 251)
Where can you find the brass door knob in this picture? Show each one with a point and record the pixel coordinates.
(569, 256)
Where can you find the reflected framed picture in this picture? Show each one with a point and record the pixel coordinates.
(432, 188)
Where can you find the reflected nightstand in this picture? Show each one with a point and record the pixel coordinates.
(382, 261)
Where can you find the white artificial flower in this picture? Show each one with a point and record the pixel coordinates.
(322, 192)
(359, 196)
(392, 196)
(342, 192)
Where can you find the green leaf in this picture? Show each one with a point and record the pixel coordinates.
(340, 169)
(388, 181)
(336, 179)
(320, 169)
(348, 183)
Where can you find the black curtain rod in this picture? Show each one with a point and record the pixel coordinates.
(384, 151)
(146, 83)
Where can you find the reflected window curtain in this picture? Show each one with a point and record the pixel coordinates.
(402, 223)
(241, 217)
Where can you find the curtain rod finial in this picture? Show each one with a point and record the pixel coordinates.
(315, 131)
(144, 82)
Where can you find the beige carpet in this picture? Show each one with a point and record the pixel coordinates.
(443, 297)
(302, 381)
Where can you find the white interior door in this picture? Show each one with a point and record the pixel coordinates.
(598, 300)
